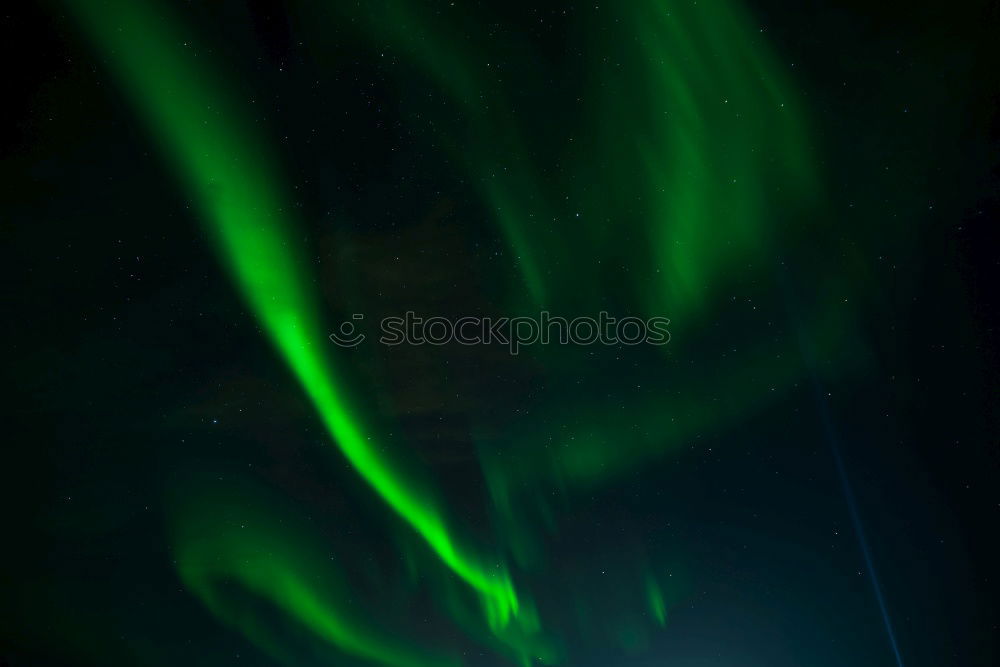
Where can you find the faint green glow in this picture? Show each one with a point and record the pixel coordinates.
(724, 152)
(226, 169)
(492, 146)
(678, 154)
(654, 596)
(245, 545)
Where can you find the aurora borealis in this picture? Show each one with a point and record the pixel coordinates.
(199, 194)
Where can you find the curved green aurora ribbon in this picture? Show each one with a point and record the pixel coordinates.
(691, 137)
(217, 155)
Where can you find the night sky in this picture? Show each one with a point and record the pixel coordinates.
(196, 195)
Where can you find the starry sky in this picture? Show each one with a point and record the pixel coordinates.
(197, 194)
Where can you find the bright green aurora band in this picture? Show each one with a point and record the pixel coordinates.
(685, 94)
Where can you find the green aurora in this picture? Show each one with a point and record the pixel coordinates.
(713, 125)
(670, 168)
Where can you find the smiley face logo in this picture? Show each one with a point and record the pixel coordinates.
(348, 335)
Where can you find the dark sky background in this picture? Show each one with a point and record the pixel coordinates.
(135, 372)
